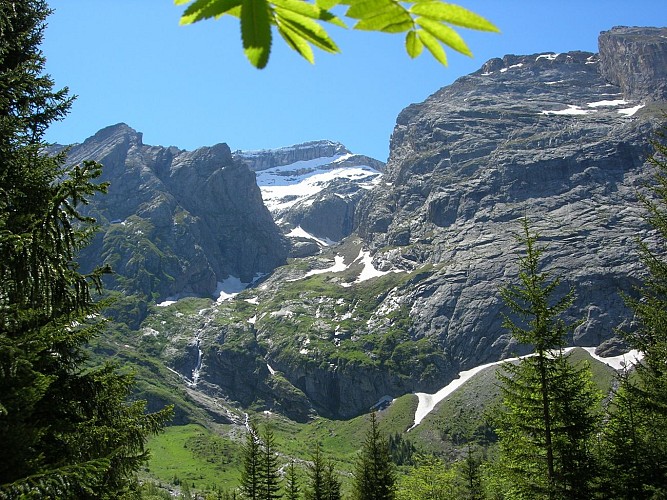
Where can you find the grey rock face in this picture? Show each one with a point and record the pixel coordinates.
(635, 59)
(544, 136)
(176, 221)
(270, 158)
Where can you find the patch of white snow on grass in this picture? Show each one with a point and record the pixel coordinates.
(299, 232)
(428, 401)
(338, 266)
(631, 111)
(617, 362)
(166, 303)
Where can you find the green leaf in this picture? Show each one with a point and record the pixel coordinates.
(445, 34)
(433, 46)
(256, 31)
(307, 29)
(206, 9)
(308, 10)
(296, 42)
(413, 44)
(453, 14)
(361, 9)
(327, 4)
(381, 15)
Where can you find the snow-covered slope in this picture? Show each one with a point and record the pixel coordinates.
(312, 189)
(298, 183)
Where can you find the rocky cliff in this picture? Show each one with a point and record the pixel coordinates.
(413, 298)
(635, 60)
(177, 222)
(559, 138)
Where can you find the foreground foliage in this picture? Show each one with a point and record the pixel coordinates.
(66, 431)
(427, 23)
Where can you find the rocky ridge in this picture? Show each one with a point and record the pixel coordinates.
(176, 222)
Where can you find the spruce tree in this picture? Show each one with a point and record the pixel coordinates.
(331, 482)
(549, 419)
(66, 431)
(636, 435)
(292, 484)
(251, 475)
(270, 475)
(316, 476)
(374, 476)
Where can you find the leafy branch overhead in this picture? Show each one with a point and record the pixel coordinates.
(427, 23)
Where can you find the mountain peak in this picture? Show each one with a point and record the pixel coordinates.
(635, 59)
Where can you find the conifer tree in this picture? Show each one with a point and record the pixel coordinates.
(292, 485)
(251, 475)
(270, 476)
(636, 435)
(66, 431)
(374, 476)
(549, 419)
(331, 483)
(316, 476)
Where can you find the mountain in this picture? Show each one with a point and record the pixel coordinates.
(312, 190)
(559, 138)
(410, 297)
(176, 222)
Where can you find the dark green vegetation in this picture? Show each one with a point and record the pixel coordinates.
(67, 431)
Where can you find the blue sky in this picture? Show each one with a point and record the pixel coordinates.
(189, 86)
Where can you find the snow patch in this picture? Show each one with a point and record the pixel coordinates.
(548, 57)
(271, 370)
(511, 67)
(299, 232)
(615, 102)
(232, 286)
(166, 303)
(369, 271)
(617, 362)
(338, 266)
(571, 110)
(631, 111)
(287, 185)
